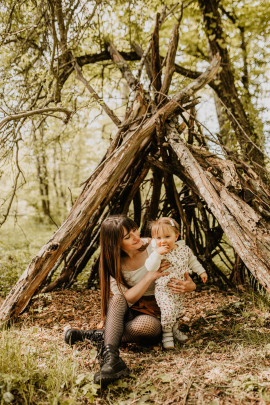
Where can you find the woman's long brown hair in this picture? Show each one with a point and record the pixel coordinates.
(111, 235)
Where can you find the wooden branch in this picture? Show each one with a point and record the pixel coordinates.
(54, 35)
(132, 56)
(238, 220)
(137, 204)
(81, 213)
(61, 24)
(252, 191)
(127, 56)
(169, 168)
(15, 185)
(123, 66)
(185, 94)
(145, 60)
(155, 197)
(135, 187)
(182, 215)
(138, 109)
(144, 55)
(170, 63)
(100, 101)
(25, 114)
(82, 247)
(105, 56)
(155, 62)
(230, 176)
(227, 167)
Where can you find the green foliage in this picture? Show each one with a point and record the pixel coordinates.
(20, 240)
(31, 65)
(31, 376)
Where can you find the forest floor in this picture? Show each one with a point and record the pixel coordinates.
(225, 361)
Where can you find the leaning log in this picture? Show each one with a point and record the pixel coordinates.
(247, 231)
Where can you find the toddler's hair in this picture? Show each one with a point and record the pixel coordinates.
(164, 222)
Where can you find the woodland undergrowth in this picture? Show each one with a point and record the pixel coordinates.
(225, 361)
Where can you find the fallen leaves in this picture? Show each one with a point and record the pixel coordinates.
(227, 346)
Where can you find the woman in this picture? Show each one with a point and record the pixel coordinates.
(127, 295)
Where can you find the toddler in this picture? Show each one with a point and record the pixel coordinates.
(165, 232)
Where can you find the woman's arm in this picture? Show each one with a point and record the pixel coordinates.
(134, 293)
(180, 287)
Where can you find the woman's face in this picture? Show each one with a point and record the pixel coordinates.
(131, 240)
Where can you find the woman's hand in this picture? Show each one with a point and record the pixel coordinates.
(134, 293)
(180, 287)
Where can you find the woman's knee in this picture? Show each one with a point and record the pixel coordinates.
(147, 326)
(156, 327)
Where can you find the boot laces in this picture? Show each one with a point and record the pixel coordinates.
(105, 355)
(108, 356)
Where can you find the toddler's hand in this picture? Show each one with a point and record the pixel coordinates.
(164, 265)
(204, 277)
(162, 250)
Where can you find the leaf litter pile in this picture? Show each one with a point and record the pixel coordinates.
(225, 361)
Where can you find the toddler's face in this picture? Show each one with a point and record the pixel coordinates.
(166, 237)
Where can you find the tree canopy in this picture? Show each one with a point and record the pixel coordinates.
(40, 41)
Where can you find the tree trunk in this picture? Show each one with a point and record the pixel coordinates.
(249, 141)
(42, 171)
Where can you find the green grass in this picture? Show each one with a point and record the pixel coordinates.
(32, 373)
(225, 361)
(19, 242)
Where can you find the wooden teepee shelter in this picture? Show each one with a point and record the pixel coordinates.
(158, 147)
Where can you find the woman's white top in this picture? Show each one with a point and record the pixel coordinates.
(133, 277)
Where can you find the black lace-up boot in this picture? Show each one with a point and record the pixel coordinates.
(76, 335)
(112, 366)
